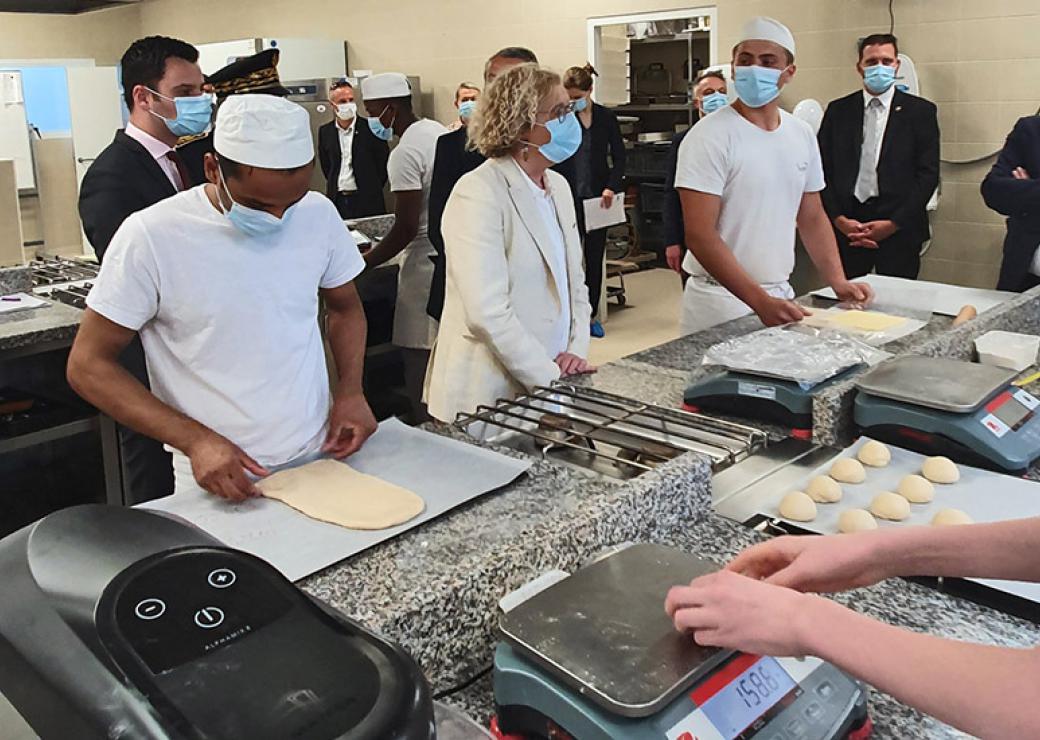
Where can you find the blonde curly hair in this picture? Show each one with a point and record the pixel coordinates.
(508, 108)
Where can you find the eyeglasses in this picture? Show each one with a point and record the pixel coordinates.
(561, 111)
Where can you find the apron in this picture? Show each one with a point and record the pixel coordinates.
(706, 303)
(413, 327)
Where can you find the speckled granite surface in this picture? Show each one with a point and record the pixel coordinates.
(897, 602)
(374, 227)
(55, 322)
(15, 280)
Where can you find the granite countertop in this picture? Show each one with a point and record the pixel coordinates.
(55, 322)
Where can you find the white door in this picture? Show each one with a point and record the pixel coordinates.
(97, 113)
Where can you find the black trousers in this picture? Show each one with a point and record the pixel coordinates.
(897, 256)
(353, 206)
(147, 467)
(595, 244)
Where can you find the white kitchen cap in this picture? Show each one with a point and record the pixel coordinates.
(385, 85)
(767, 29)
(263, 131)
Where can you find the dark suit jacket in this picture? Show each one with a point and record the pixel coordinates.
(671, 218)
(369, 160)
(908, 170)
(607, 159)
(1019, 200)
(123, 179)
(450, 163)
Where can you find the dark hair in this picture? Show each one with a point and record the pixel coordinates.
(717, 74)
(233, 169)
(518, 53)
(580, 77)
(876, 39)
(340, 84)
(144, 63)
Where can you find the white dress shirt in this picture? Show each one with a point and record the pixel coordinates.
(158, 150)
(885, 99)
(347, 182)
(558, 250)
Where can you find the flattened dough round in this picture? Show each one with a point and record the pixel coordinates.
(856, 520)
(334, 492)
(916, 489)
(874, 454)
(891, 506)
(848, 470)
(798, 507)
(940, 470)
(951, 517)
(824, 490)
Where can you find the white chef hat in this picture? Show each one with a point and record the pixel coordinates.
(385, 85)
(263, 131)
(762, 28)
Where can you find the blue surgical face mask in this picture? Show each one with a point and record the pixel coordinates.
(581, 104)
(564, 138)
(384, 133)
(250, 221)
(879, 77)
(194, 113)
(713, 101)
(466, 108)
(756, 86)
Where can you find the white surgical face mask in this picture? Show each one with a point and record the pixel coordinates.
(346, 111)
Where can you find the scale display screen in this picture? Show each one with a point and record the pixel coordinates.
(749, 688)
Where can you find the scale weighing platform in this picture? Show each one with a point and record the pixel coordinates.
(966, 411)
(595, 657)
(759, 397)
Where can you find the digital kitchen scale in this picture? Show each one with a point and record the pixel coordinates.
(966, 411)
(595, 657)
(759, 397)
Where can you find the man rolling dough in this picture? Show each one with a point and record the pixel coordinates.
(222, 284)
(748, 175)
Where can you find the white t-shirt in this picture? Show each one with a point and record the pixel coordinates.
(410, 166)
(558, 254)
(761, 177)
(229, 323)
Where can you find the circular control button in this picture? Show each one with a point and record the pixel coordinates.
(149, 609)
(221, 578)
(209, 617)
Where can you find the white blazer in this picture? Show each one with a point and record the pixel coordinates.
(501, 303)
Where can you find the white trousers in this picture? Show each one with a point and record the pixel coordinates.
(706, 304)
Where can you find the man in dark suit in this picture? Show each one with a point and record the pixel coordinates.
(352, 158)
(451, 162)
(880, 149)
(709, 94)
(1011, 188)
(163, 88)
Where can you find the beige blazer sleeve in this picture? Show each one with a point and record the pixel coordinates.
(473, 228)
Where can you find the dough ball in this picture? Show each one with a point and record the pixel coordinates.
(874, 454)
(916, 490)
(824, 490)
(798, 507)
(888, 505)
(940, 470)
(847, 470)
(856, 520)
(950, 517)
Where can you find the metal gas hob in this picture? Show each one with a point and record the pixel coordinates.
(605, 433)
(63, 280)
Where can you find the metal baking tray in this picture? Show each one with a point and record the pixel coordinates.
(935, 382)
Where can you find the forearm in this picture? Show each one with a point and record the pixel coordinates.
(108, 386)
(399, 237)
(714, 256)
(346, 331)
(999, 550)
(984, 690)
(819, 241)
